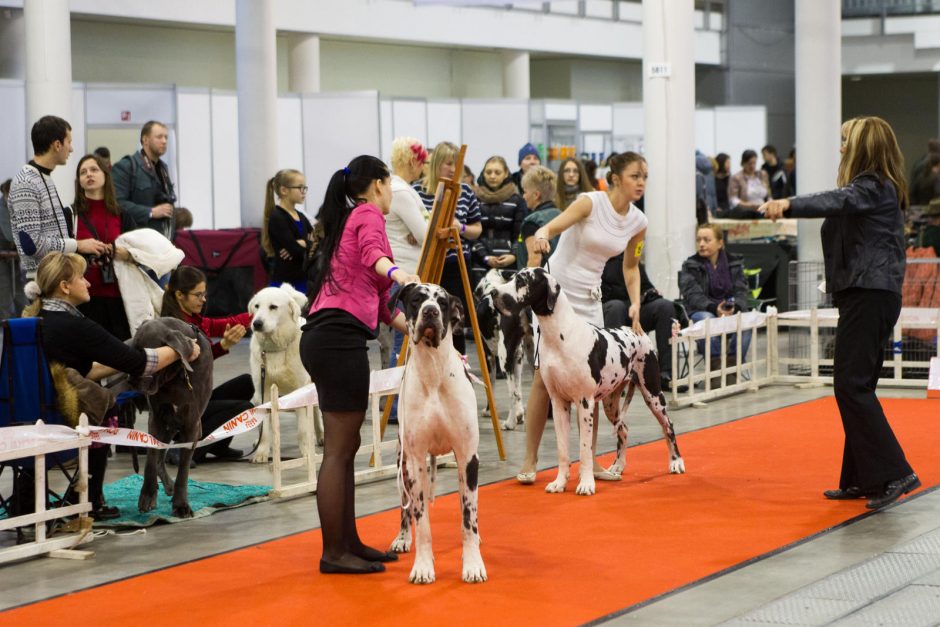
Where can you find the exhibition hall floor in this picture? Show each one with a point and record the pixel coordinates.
(744, 536)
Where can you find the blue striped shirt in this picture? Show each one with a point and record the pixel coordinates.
(468, 212)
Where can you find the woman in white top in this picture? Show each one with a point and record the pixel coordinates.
(595, 227)
(748, 189)
(406, 222)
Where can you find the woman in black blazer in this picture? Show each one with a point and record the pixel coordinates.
(863, 247)
(285, 234)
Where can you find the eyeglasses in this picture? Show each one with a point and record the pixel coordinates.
(302, 188)
(198, 295)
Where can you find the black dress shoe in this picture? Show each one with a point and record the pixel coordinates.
(337, 569)
(893, 491)
(846, 494)
(105, 512)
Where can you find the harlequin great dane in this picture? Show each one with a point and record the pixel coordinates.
(437, 413)
(506, 338)
(581, 363)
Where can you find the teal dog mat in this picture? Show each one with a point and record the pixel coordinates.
(204, 498)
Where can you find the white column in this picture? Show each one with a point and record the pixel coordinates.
(515, 74)
(669, 138)
(49, 75)
(818, 56)
(303, 71)
(256, 78)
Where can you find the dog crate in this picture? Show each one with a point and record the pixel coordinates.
(913, 343)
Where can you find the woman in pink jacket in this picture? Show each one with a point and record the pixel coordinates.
(350, 297)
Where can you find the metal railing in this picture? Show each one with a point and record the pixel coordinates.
(882, 8)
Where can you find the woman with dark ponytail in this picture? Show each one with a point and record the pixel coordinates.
(285, 232)
(350, 297)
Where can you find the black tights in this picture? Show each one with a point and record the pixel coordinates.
(336, 491)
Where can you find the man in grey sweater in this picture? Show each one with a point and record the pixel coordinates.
(40, 223)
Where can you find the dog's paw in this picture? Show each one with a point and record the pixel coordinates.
(485, 412)
(146, 502)
(585, 487)
(422, 572)
(677, 466)
(509, 425)
(473, 569)
(401, 544)
(555, 487)
(259, 458)
(182, 510)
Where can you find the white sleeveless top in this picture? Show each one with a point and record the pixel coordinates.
(584, 249)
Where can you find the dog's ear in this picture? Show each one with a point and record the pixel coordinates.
(182, 344)
(401, 295)
(455, 312)
(296, 296)
(554, 289)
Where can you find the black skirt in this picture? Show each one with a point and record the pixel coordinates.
(334, 350)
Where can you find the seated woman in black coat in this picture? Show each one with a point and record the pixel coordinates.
(68, 337)
(712, 285)
(502, 210)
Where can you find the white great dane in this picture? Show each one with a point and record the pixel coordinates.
(437, 413)
(582, 364)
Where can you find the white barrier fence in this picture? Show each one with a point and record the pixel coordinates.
(698, 376)
(38, 441)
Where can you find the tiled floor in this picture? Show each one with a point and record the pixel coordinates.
(883, 569)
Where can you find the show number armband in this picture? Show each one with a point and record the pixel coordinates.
(639, 249)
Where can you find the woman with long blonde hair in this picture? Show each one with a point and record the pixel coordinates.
(863, 247)
(285, 231)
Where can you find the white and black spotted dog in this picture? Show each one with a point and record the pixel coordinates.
(582, 364)
(507, 337)
(437, 413)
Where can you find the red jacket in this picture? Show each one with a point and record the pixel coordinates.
(215, 327)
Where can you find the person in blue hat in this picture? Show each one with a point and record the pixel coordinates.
(528, 157)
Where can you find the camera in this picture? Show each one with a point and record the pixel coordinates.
(106, 266)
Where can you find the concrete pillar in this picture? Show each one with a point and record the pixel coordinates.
(515, 74)
(669, 138)
(49, 75)
(12, 44)
(303, 70)
(818, 61)
(256, 79)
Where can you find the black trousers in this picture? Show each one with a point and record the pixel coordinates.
(872, 455)
(227, 401)
(655, 316)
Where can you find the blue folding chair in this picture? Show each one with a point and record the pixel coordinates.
(27, 394)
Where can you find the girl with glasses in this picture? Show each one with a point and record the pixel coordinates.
(285, 232)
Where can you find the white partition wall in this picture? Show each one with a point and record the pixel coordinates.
(337, 128)
(628, 126)
(410, 119)
(226, 194)
(14, 134)
(738, 129)
(494, 127)
(385, 129)
(290, 141)
(705, 131)
(195, 185)
(444, 122)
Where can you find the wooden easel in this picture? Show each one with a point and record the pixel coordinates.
(443, 236)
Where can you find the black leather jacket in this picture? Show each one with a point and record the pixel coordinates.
(862, 234)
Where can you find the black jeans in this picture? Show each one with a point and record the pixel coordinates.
(227, 401)
(655, 316)
(872, 454)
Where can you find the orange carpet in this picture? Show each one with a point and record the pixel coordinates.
(752, 486)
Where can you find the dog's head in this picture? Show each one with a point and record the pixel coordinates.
(179, 336)
(275, 308)
(531, 287)
(430, 312)
(493, 279)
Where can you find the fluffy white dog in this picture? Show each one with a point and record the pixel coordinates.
(275, 358)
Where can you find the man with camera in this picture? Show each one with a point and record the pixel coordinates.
(142, 182)
(40, 223)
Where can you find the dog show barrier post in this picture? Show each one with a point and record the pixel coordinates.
(443, 236)
(59, 546)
